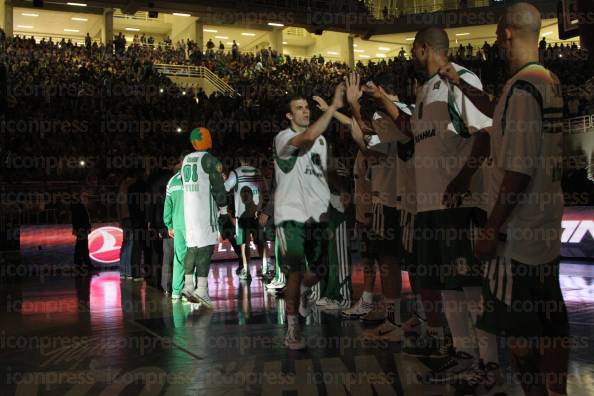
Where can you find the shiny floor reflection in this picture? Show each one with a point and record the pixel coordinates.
(104, 336)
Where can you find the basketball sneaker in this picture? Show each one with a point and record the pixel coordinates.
(294, 340)
(387, 331)
(361, 308)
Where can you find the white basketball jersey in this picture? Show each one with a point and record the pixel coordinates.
(200, 208)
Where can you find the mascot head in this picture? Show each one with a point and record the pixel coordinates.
(200, 139)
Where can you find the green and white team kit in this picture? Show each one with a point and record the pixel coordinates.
(442, 124)
(246, 176)
(302, 191)
(301, 201)
(527, 138)
(173, 218)
(201, 210)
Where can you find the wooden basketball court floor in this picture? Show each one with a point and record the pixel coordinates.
(99, 335)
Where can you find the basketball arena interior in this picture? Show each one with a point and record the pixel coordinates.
(246, 197)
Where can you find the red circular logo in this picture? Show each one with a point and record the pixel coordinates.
(105, 244)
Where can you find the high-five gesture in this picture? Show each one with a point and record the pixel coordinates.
(338, 99)
(373, 90)
(353, 89)
(320, 103)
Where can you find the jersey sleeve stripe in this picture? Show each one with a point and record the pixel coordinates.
(459, 125)
(525, 87)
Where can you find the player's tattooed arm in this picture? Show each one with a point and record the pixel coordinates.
(479, 98)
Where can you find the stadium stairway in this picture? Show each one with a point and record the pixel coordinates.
(195, 76)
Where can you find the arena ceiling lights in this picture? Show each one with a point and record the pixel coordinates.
(76, 4)
(28, 14)
(77, 19)
(275, 24)
(210, 30)
(182, 14)
(248, 34)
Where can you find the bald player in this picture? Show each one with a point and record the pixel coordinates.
(450, 145)
(521, 238)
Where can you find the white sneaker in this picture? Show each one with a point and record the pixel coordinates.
(275, 285)
(294, 340)
(189, 295)
(271, 284)
(336, 305)
(358, 310)
(175, 297)
(387, 331)
(304, 303)
(323, 301)
(204, 301)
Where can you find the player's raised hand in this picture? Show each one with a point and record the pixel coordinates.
(449, 73)
(373, 90)
(321, 103)
(353, 88)
(338, 99)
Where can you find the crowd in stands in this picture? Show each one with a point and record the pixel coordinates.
(112, 108)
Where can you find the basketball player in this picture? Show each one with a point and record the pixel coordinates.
(451, 144)
(400, 185)
(364, 161)
(173, 218)
(205, 207)
(334, 291)
(247, 226)
(521, 238)
(385, 225)
(301, 201)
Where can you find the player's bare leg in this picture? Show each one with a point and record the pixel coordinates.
(554, 360)
(365, 303)
(526, 362)
(245, 258)
(391, 277)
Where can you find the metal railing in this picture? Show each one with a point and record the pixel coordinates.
(138, 16)
(198, 72)
(421, 6)
(577, 125)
